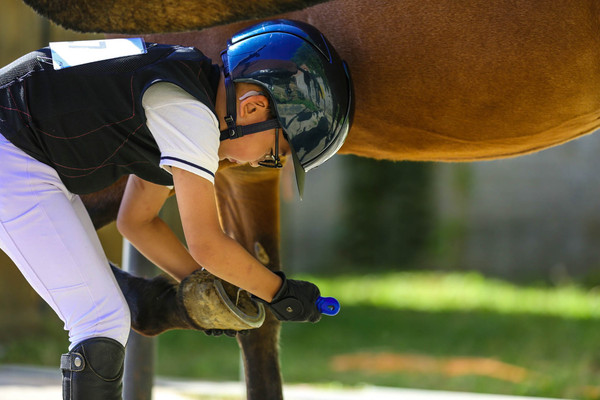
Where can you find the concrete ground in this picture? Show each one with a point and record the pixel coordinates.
(34, 383)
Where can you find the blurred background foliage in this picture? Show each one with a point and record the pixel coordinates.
(389, 220)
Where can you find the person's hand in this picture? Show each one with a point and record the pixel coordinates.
(295, 301)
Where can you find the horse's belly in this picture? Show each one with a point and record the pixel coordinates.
(438, 80)
(386, 140)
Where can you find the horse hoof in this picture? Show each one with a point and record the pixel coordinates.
(214, 304)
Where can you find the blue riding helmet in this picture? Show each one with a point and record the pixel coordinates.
(308, 83)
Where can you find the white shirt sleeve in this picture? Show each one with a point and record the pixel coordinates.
(186, 131)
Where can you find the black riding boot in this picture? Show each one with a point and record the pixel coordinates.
(93, 370)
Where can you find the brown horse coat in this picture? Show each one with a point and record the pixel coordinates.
(456, 81)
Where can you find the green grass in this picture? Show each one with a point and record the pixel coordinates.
(433, 292)
(437, 331)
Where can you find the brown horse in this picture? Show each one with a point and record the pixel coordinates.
(436, 80)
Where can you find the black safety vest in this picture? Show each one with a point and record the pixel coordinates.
(87, 122)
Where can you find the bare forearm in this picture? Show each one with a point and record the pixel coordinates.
(220, 255)
(157, 242)
(226, 259)
(210, 246)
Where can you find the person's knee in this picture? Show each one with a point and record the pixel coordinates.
(122, 324)
(110, 319)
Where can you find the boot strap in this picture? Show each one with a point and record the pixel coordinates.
(73, 362)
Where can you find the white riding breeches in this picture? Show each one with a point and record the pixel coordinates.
(48, 234)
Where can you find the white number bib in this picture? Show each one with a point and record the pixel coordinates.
(69, 54)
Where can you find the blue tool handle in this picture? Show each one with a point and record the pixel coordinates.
(328, 305)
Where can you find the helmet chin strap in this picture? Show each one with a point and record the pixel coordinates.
(233, 130)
